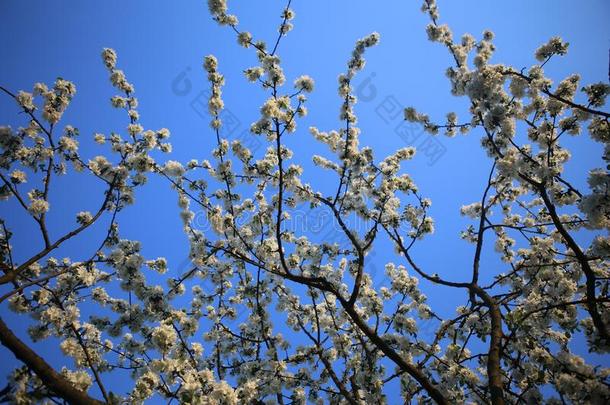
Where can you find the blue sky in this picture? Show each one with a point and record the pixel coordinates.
(161, 46)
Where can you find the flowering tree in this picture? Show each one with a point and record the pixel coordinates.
(511, 341)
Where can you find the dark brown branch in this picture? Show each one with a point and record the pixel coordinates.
(51, 378)
(559, 98)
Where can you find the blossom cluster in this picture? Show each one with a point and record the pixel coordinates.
(267, 313)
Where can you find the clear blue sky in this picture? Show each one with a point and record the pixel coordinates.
(159, 41)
